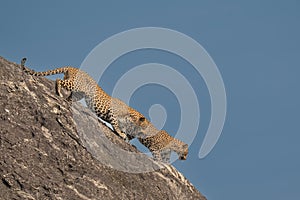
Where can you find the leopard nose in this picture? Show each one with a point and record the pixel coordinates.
(182, 158)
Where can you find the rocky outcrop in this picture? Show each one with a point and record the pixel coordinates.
(55, 149)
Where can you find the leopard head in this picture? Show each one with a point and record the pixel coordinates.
(139, 119)
(183, 152)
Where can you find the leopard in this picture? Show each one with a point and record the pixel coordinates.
(125, 120)
(161, 144)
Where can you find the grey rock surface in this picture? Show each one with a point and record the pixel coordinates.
(55, 149)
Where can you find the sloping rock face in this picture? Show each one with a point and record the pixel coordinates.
(54, 149)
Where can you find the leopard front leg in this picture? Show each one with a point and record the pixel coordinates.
(156, 155)
(166, 155)
(116, 128)
(121, 134)
(162, 155)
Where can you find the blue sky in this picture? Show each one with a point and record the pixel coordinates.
(255, 45)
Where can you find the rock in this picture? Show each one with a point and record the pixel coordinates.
(55, 149)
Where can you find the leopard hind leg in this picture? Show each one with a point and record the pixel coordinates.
(67, 84)
(162, 155)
